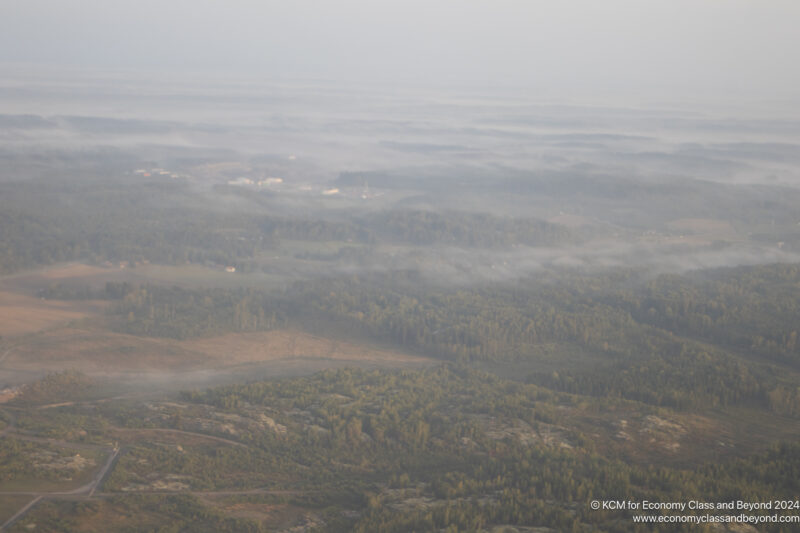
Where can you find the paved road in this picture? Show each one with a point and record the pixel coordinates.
(93, 484)
(102, 474)
(88, 490)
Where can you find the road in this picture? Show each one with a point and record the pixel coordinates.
(89, 490)
(11, 521)
(86, 490)
(94, 483)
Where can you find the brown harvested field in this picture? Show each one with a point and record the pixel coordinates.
(81, 275)
(21, 314)
(96, 351)
(70, 271)
(30, 280)
(288, 343)
(61, 271)
(48, 335)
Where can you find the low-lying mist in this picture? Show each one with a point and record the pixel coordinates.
(288, 173)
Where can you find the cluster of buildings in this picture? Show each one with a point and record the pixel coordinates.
(267, 182)
(272, 182)
(147, 172)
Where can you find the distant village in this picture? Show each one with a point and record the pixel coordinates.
(144, 172)
(222, 173)
(272, 183)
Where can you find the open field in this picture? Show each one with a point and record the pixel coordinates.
(21, 314)
(289, 343)
(82, 275)
(142, 366)
(54, 273)
(50, 335)
(97, 351)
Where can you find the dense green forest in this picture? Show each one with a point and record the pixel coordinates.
(441, 449)
(647, 356)
(117, 221)
(723, 338)
(749, 309)
(180, 313)
(427, 432)
(170, 223)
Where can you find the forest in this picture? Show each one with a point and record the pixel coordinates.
(446, 448)
(676, 341)
(116, 220)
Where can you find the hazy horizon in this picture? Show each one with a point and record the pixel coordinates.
(736, 52)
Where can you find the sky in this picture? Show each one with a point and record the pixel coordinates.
(710, 48)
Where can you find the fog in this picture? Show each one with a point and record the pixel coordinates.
(667, 188)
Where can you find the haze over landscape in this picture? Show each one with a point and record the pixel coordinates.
(383, 266)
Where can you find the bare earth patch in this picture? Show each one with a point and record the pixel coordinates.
(95, 350)
(21, 314)
(281, 344)
(92, 350)
(51, 335)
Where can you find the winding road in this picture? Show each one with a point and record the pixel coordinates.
(89, 490)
